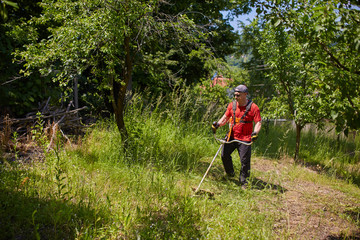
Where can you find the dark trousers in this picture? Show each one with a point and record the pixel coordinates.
(245, 156)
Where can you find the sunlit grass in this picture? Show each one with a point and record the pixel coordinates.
(324, 152)
(97, 190)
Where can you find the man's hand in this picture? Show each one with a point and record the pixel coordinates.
(215, 126)
(254, 136)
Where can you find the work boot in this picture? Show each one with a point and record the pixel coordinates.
(244, 186)
(229, 176)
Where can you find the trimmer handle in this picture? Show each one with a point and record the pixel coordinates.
(215, 126)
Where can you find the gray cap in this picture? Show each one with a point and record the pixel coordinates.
(241, 88)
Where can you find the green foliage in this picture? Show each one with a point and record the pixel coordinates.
(107, 40)
(3, 9)
(18, 94)
(215, 94)
(247, 50)
(328, 32)
(293, 78)
(83, 34)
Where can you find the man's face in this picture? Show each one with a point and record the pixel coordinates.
(240, 97)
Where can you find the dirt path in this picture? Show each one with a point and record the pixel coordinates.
(310, 208)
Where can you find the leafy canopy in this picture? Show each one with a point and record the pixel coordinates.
(329, 32)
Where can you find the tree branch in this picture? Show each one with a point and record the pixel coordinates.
(333, 58)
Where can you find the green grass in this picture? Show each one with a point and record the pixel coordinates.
(325, 152)
(96, 190)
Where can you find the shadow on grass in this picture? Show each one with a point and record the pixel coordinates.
(217, 173)
(354, 214)
(342, 236)
(30, 217)
(179, 220)
(24, 217)
(259, 184)
(321, 168)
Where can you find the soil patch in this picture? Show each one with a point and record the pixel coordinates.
(310, 210)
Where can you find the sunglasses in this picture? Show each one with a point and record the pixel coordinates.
(237, 95)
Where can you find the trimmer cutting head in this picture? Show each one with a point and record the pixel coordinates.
(203, 192)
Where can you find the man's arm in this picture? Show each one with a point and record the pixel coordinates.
(223, 120)
(257, 127)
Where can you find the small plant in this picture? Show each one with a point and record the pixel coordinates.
(38, 134)
(5, 135)
(14, 139)
(283, 149)
(14, 162)
(60, 174)
(36, 226)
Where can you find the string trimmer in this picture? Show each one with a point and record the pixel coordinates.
(222, 142)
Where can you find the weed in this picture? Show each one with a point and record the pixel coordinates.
(62, 189)
(5, 134)
(15, 144)
(36, 226)
(38, 134)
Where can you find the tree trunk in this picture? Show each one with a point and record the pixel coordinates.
(119, 90)
(76, 93)
(119, 105)
(298, 138)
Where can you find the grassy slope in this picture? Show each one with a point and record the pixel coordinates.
(93, 190)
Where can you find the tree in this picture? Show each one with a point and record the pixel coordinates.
(19, 94)
(295, 81)
(323, 73)
(173, 61)
(248, 48)
(106, 38)
(329, 32)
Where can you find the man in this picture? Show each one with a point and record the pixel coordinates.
(241, 128)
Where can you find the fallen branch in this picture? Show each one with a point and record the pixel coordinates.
(33, 117)
(56, 126)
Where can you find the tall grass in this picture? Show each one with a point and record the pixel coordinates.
(173, 132)
(97, 190)
(324, 152)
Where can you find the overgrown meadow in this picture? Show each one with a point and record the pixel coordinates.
(92, 188)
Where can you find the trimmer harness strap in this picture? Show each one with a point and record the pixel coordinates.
(239, 120)
(248, 107)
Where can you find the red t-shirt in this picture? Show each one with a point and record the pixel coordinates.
(242, 131)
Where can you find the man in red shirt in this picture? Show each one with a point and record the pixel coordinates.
(241, 129)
